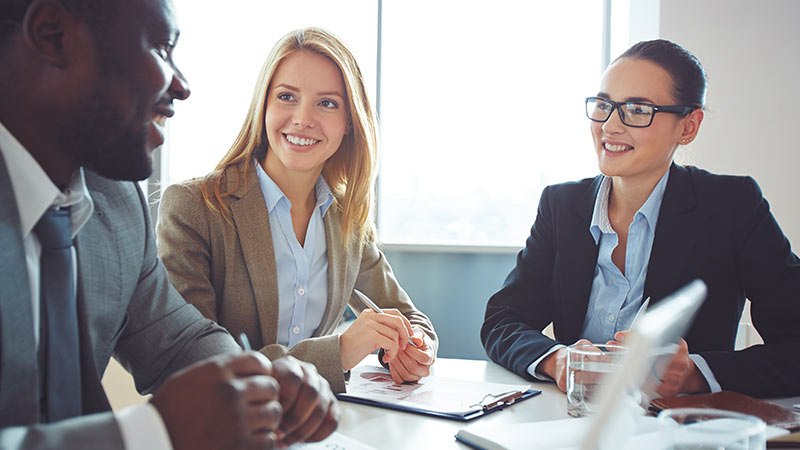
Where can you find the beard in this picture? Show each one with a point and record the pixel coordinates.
(101, 139)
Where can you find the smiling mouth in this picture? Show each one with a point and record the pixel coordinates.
(617, 148)
(160, 120)
(303, 142)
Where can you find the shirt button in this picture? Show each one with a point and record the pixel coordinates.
(610, 317)
(296, 330)
(301, 291)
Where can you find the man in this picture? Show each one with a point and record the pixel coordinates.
(86, 88)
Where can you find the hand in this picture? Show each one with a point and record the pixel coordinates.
(310, 411)
(388, 330)
(413, 363)
(555, 365)
(229, 401)
(681, 374)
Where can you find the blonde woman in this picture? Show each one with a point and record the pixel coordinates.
(273, 242)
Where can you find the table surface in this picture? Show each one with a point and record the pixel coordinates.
(387, 429)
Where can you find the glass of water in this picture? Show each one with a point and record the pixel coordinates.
(705, 429)
(588, 366)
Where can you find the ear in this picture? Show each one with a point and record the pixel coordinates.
(691, 125)
(44, 30)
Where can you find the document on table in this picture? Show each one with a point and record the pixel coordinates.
(336, 441)
(449, 398)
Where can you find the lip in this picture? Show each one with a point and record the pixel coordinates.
(300, 148)
(165, 110)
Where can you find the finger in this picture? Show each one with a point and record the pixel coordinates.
(328, 425)
(258, 389)
(248, 364)
(263, 418)
(263, 439)
(399, 324)
(405, 320)
(414, 368)
(621, 335)
(309, 411)
(420, 356)
(399, 372)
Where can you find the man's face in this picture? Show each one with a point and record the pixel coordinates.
(120, 121)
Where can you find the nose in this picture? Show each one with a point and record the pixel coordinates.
(303, 115)
(614, 123)
(179, 88)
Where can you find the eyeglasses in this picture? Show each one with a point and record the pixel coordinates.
(639, 115)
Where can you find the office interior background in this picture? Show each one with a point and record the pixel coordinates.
(481, 107)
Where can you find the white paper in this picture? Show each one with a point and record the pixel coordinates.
(439, 394)
(336, 441)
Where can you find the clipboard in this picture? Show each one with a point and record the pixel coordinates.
(441, 397)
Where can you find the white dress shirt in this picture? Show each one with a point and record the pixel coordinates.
(141, 425)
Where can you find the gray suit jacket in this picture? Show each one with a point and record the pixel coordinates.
(126, 307)
(228, 271)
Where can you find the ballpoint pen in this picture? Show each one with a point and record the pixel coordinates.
(244, 342)
(371, 305)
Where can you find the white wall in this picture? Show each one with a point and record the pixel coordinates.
(751, 52)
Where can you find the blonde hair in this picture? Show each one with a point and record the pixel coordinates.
(350, 172)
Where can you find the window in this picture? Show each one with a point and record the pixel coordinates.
(481, 108)
(481, 103)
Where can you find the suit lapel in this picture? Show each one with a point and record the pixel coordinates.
(578, 262)
(19, 388)
(337, 271)
(251, 217)
(676, 233)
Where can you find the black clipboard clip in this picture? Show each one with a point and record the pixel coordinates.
(492, 401)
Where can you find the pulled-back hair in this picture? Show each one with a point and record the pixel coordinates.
(350, 172)
(688, 76)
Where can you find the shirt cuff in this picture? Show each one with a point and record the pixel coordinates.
(705, 370)
(535, 364)
(143, 429)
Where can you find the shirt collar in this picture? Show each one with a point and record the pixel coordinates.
(649, 211)
(273, 194)
(35, 192)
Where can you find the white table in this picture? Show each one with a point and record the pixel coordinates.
(387, 429)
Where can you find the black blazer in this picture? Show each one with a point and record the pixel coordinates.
(713, 227)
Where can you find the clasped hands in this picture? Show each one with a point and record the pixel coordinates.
(391, 331)
(681, 375)
(244, 401)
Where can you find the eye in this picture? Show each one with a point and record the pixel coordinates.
(329, 104)
(164, 50)
(637, 109)
(285, 96)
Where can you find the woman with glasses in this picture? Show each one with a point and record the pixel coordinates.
(276, 240)
(644, 228)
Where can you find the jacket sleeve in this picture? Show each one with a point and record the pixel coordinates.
(520, 310)
(376, 280)
(769, 272)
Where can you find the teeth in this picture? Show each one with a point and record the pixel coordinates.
(616, 148)
(300, 141)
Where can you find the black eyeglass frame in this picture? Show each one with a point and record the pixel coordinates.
(681, 110)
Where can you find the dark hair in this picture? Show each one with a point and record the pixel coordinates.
(688, 76)
(96, 13)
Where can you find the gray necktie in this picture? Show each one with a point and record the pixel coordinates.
(59, 317)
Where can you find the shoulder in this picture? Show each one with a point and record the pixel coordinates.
(119, 197)
(717, 190)
(571, 193)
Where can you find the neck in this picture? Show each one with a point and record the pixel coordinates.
(299, 187)
(629, 194)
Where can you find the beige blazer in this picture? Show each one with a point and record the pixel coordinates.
(228, 271)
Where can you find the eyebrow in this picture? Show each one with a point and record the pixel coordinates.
(296, 89)
(629, 99)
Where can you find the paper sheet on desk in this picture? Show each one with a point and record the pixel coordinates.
(562, 434)
(447, 395)
(336, 441)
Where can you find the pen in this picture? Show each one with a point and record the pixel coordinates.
(640, 313)
(371, 305)
(244, 342)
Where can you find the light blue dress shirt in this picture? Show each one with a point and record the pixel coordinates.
(302, 269)
(616, 297)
